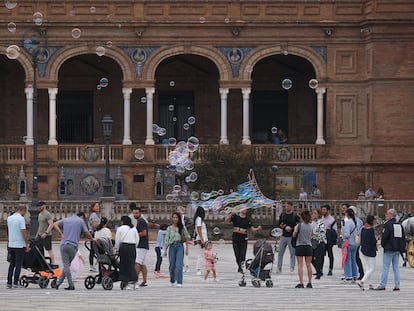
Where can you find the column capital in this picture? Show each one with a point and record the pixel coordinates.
(126, 90)
(246, 91)
(320, 90)
(224, 91)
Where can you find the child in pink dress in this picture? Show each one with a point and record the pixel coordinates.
(210, 260)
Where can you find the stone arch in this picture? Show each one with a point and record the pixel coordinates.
(309, 54)
(211, 53)
(25, 61)
(114, 53)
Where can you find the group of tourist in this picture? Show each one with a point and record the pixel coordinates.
(314, 234)
(314, 231)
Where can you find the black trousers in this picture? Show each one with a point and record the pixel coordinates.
(329, 252)
(240, 248)
(317, 258)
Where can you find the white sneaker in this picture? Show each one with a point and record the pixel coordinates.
(172, 284)
(136, 286)
(179, 285)
(198, 272)
(128, 287)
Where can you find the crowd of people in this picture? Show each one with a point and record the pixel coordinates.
(309, 236)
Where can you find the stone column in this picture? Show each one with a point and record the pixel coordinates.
(29, 115)
(150, 115)
(246, 125)
(223, 135)
(127, 116)
(52, 116)
(319, 130)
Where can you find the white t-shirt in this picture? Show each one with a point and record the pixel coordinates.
(103, 233)
(200, 223)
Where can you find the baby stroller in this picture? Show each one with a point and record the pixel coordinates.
(108, 265)
(41, 266)
(263, 256)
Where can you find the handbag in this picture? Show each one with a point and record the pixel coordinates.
(295, 238)
(184, 236)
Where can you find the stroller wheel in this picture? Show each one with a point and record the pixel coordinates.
(89, 282)
(23, 281)
(107, 283)
(256, 283)
(269, 283)
(53, 283)
(242, 283)
(98, 279)
(43, 282)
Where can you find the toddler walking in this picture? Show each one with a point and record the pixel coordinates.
(210, 260)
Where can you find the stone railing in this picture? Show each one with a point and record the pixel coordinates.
(13, 153)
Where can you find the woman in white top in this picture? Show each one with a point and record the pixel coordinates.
(201, 236)
(126, 241)
(102, 231)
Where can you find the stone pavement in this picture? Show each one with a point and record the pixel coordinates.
(329, 293)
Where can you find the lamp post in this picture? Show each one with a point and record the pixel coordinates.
(32, 46)
(107, 132)
(274, 170)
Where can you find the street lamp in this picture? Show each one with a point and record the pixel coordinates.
(107, 132)
(274, 169)
(32, 46)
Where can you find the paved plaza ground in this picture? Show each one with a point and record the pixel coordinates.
(329, 293)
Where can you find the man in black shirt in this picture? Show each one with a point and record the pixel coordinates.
(241, 223)
(143, 245)
(287, 222)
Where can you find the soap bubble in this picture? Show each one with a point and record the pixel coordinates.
(191, 120)
(100, 51)
(286, 84)
(11, 27)
(202, 20)
(76, 33)
(109, 44)
(170, 107)
(38, 18)
(104, 82)
(172, 83)
(10, 4)
(139, 154)
(186, 126)
(92, 9)
(12, 51)
(273, 130)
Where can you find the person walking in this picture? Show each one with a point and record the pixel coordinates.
(318, 240)
(331, 235)
(201, 236)
(93, 222)
(70, 229)
(175, 237)
(126, 242)
(44, 231)
(143, 246)
(17, 245)
(159, 245)
(368, 250)
(287, 221)
(241, 224)
(393, 242)
(349, 233)
(303, 250)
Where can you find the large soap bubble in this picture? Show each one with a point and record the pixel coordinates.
(11, 27)
(100, 51)
(38, 18)
(76, 33)
(12, 51)
(10, 4)
(286, 84)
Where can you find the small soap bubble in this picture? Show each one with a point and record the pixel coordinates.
(38, 18)
(76, 33)
(11, 27)
(100, 51)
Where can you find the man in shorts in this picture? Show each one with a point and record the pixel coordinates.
(143, 245)
(44, 233)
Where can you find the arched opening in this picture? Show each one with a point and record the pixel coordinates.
(12, 101)
(90, 86)
(187, 98)
(288, 105)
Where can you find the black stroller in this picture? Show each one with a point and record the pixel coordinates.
(43, 271)
(258, 266)
(108, 265)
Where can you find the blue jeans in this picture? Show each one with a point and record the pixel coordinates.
(67, 252)
(285, 241)
(388, 258)
(351, 268)
(176, 257)
(16, 262)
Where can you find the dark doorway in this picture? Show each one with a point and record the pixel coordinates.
(75, 116)
(175, 109)
(270, 109)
